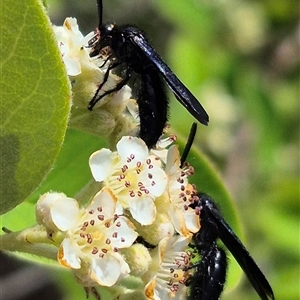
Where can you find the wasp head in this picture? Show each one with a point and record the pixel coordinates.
(102, 41)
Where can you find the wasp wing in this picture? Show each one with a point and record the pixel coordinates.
(242, 256)
(181, 92)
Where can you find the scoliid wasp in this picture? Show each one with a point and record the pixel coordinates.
(126, 48)
(207, 281)
(209, 277)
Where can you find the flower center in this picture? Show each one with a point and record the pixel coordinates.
(133, 178)
(95, 235)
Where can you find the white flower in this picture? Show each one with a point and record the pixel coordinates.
(93, 238)
(70, 43)
(166, 276)
(111, 115)
(181, 194)
(85, 71)
(132, 175)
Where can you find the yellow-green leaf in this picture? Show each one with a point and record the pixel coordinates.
(35, 99)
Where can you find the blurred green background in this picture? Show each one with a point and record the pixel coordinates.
(241, 60)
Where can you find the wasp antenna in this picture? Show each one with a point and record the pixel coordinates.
(100, 10)
(188, 144)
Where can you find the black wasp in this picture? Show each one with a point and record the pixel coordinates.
(126, 47)
(207, 281)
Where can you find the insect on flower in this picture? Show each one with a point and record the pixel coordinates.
(126, 47)
(208, 279)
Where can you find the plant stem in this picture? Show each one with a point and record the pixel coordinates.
(34, 240)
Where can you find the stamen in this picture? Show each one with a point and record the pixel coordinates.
(124, 168)
(127, 184)
(95, 250)
(100, 217)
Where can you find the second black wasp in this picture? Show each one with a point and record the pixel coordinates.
(209, 276)
(126, 47)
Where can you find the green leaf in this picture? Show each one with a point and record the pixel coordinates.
(35, 100)
(19, 218)
(71, 171)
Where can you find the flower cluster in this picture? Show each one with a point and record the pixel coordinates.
(139, 223)
(115, 115)
(91, 233)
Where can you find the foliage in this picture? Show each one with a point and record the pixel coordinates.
(35, 100)
(239, 57)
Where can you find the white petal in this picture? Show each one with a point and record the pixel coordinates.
(65, 213)
(126, 234)
(143, 210)
(106, 200)
(180, 293)
(178, 221)
(150, 291)
(43, 207)
(107, 270)
(162, 291)
(192, 220)
(173, 160)
(72, 65)
(178, 243)
(129, 145)
(119, 209)
(161, 153)
(133, 109)
(156, 183)
(124, 267)
(71, 26)
(100, 164)
(68, 254)
(85, 40)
